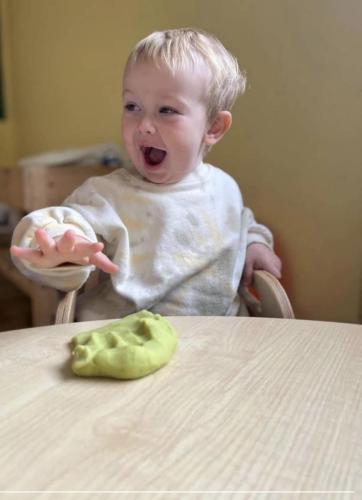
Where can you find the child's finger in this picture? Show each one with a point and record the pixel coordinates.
(66, 243)
(15, 250)
(87, 248)
(102, 262)
(276, 267)
(276, 271)
(45, 242)
(33, 256)
(19, 251)
(97, 247)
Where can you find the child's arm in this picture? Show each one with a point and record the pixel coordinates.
(259, 252)
(42, 244)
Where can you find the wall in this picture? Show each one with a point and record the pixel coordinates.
(295, 145)
(7, 125)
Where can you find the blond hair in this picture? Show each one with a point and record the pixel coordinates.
(178, 48)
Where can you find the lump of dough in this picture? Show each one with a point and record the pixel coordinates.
(129, 348)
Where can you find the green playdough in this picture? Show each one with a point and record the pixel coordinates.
(132, 347)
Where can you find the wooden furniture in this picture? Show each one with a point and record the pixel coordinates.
(28, 189)
(44, 300)
(272, 300)
(13, 318)
(245, 405)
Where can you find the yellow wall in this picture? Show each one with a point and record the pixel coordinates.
(7, 125)
(295, 145)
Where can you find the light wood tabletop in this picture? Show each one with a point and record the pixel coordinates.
(246, 408)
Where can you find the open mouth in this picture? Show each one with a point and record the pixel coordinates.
(153, 156)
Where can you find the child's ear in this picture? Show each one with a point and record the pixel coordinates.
(218, 127)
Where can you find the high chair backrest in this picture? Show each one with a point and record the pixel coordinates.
(266, 298)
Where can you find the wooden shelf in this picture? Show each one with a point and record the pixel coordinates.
(30, 188)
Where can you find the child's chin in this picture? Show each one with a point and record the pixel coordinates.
(158, 177)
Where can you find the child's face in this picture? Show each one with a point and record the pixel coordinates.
(164, 120)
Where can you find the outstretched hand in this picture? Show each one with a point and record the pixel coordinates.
(259, 256)
(68, 248)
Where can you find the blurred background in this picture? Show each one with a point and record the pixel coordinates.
(295, 146)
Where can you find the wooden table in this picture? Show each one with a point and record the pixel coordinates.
(246, 405)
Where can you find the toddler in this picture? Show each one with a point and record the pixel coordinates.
(169, 233)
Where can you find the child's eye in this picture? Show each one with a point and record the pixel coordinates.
(131, 107)
(168, 111)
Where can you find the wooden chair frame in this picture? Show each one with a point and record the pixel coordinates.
(271, 301)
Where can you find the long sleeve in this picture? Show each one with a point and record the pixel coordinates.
(55, 220)
(256, 233)
(91, 211)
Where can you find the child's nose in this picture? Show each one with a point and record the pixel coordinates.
(146, 126)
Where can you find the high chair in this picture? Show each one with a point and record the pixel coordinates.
(266, 297)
